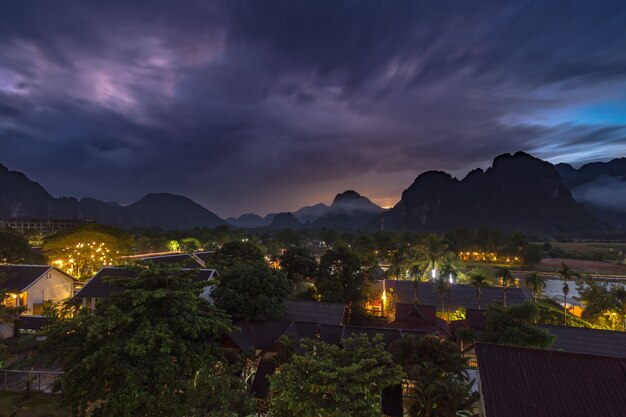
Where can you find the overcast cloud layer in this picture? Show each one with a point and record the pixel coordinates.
(262, 106)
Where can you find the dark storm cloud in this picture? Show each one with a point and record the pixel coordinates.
(246, 105)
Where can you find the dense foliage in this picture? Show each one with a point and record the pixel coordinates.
(81, 252)
(334, 381)
(515, 326)
(439, 383)
(236, 253)
(150, 350)
(298, 264)
(14, 249)
(252, 292)
(340, 278)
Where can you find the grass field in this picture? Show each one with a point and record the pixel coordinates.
(582, 266)
(39, 405)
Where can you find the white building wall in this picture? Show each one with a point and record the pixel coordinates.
(54, 286)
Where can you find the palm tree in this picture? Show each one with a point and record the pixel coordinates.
(429, 257)
(478, 281)
(443, 288)
(620, 296)
(506, 280)
(535, 284)
(566, 273)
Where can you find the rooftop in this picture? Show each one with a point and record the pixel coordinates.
(520, 382)
(20, 277)
(583, 340)
(461, 295)
(97, 288)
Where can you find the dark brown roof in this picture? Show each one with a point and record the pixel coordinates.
(185, 259)
(96, 287)
(461, 295)
(521, 382)
(315, 312)
(258, 335)
(592, 341)
(260, 384)
(19, 277)
(392, 401)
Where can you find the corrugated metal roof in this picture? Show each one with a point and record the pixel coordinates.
(461, 295)
(260, 384)
(592, 341)
(184, 259)
(315, 312)
(522, 382)
(19, 277)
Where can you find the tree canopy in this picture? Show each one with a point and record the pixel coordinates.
(252, 292)
(515, 325)
(149, 350)
(334, 381)
(14, 249)
(298, 264)
(340, 278)
(82, 251)
(236, 253)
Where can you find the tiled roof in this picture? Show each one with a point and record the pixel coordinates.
(260, 384)
(96, 287)
(521, 382)
(592, 341)
(259, 335)
(331, 334)
(205, 256)
(19, 277)
(315, 312)
(461, 295)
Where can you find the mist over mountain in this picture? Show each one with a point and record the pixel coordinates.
(348, 210)
(601, 186)
(517, 192)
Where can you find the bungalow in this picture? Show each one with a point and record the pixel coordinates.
(518, 381)
(97, 288)
(460, 296)
(32, 285)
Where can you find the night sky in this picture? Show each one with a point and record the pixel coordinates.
(258, 106)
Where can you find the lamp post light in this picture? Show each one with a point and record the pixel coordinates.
(434, 273)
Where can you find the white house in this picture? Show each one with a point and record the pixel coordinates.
(32, 285)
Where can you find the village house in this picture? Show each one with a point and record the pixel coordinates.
(31, 286)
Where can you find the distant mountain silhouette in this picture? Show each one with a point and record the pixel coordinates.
(21, 197)
(285, 221)
(601, 186)
(349, 210)
(311, 213)
(250, 220)
(517, 192)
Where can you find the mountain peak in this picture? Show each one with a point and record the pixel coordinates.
(349, 195)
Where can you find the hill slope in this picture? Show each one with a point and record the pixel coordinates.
(21, 197)
(517, 192)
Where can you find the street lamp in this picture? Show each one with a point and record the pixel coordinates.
(434, 273)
